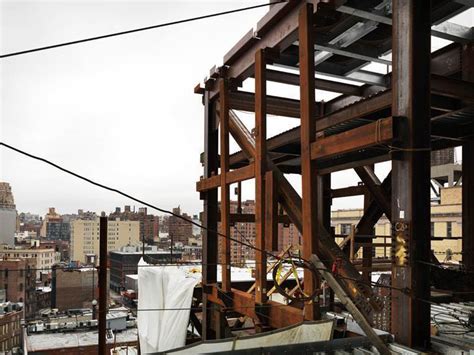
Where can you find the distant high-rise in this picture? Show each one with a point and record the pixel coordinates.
(7, 214)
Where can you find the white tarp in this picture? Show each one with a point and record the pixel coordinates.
(159, 288)
(302, 333)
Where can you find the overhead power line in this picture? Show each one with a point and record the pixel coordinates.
(116, 34)
(405, 291)
(105, 187)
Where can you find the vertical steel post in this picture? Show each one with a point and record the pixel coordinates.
(239, 197)
(367, 251)
(411, 172)
(271, 211)
(225, 193)
(103, 239)
(308, 136)
(468, 173)
(260, 170)
(209, 243)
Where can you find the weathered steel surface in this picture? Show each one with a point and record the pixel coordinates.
(308, 166)
(327, 249)
(245, 173)
(365, 136)
(468, 172)
(411, 172)
(275, 314)
(260, 170)
(271, 211)
(374, 185)
(209, 242)
(225, 193)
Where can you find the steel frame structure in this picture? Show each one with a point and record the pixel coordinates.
(424, 104)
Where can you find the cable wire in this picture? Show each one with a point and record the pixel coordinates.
(115, 34)
(406, 291)
(105, 187)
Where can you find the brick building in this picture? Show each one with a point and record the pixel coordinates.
(10, 327)
(149, 224)
(288, 234)
(178, 229)
(17, 278)
(45, 257)
(74, 288)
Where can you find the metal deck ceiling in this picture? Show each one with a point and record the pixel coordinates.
(361, 30)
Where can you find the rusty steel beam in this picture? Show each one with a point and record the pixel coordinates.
(209, 242)
(358, 138)
(373, 187)
(411, 172)
(368, 177)
(348, 191)
(276, 315)
(455, 88)
(468, 173)
(352, 307)
(352, 163)
(245, 173)
(279, 106)
(445, 62)
(225, 193)
(372, 212)
(308, 136)
(271, 211)
(260, 170)
(283, 33)
(250, 218)
(290, 200)
(320, 84)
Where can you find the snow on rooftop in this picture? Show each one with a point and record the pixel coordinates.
(50, 341)
(238, 274)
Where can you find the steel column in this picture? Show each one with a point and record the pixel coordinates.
(308, 136)
(260, 170)
(411, 172)
(225, 193)
(209, 243)
(271, 211)
(468, 173)
(367, 250)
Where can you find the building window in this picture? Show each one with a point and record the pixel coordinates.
(346, 228)
(449, 229)
(432, 229)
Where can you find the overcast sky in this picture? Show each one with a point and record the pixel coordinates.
(121, 110)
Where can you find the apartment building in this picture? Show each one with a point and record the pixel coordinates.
(149, 224)
(45, 257)
(10, 328)
(180, 230)
(17, 280)
(85, 238)
(446, 225)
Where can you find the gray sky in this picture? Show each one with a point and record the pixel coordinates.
(122, 110)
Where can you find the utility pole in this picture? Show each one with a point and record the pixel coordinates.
(103, 286)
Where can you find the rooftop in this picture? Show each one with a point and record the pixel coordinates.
(51, 341)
